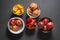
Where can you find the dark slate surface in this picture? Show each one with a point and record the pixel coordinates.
(49, 8)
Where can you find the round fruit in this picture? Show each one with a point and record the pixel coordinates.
(32, 27)
(27, 25)
(30, 23)
(40, 24)
(28, 20)
(33, 6)
(45, 20)
(18, 22)
(12, 22)
(36, 12)
(33, 23)
(33, 20)
(50, 25)
(15, 28)
(29, 10)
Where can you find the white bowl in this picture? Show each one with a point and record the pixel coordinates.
(33, 16)
(19, 31)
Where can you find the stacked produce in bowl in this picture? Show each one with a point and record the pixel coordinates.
(33, 10)
(31, 23)
(18, 9)
(16, 25)
(45, 24)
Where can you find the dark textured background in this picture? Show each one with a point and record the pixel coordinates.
(49, 8)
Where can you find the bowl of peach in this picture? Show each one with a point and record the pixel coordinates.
(33, 10)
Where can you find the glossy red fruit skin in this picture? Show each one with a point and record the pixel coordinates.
(33, 23)
(45, 28)
(12, 22)
(50, 25)
(28, 20)
(33, 20)
(40, 24)
(27, 25)
(45, 21)
(30, 23)
(21, 23)
(18, 22)
(32, 27)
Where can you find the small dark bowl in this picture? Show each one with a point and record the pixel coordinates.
(41, 28)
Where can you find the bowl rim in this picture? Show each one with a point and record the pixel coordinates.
(45, 18)
(32, 16)
(19, 31)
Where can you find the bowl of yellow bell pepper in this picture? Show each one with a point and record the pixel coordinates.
(18, 9)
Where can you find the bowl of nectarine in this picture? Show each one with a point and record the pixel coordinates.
(16, 25)
(45, 24)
